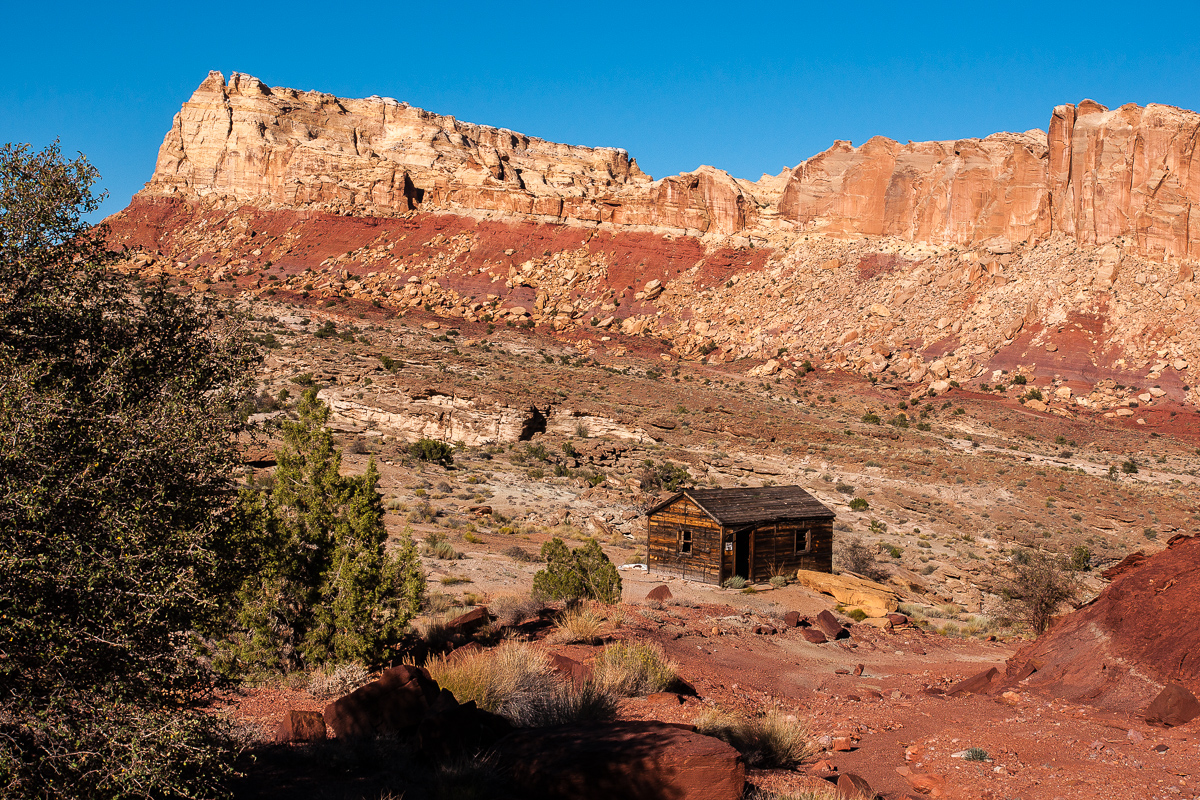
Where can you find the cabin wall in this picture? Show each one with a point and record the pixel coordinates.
(665, 531)
(775, 553)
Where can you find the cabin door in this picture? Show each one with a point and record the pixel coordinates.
(741, 553)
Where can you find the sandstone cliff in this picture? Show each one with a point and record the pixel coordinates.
(1098, 175)
(935, 263)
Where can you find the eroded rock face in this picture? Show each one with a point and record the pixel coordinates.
(943, 192)
(278, 147)
(1098, 175)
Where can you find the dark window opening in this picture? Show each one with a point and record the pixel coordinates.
(803, 541)
(685, 541)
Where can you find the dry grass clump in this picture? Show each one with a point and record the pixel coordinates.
(580, 624)
(335, 680)
(769, 741)
(512, 609)
(516, 681)
(436, 630)
(634, 669)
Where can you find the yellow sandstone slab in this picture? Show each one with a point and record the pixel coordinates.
(874, 598)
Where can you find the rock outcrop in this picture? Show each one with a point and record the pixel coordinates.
(978, 262)
(1122, 649)
(1098, 175)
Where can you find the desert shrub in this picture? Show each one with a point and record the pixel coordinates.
(859, 504)
(1129, 467)
(975, 754)
(870, 418)
(516, 681)
(768, 741)
(779, 581)
(335, 680)
(853, 555)
(735, 582)
(565, 704)
(584, 573)
(844, 488)
(1019, 380)
(663, 475)
(579, 624)
(856, 614)
(513, 609)
(634, 669)
(436, 630)
(321, 585)
(423, 512)
(1081, 559)
(1037, 585)
(518, 553)
(120, 405)
(432, 451)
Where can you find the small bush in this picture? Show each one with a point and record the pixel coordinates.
(517, 553)
(432, 451)
(859, 504)
(584, 573)
(870, 419)
(770, 741)
(854, 556)
(1129, 467)
(516, 681)
(856, 614)
(779, 581)
(634, 670)
(511, 609)
(1019, 380)
(844, 488)
(337, 680)
(579, 625)
(1036, 588)
(735, 582)
(976, 754)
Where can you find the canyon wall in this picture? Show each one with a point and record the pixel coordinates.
(1097, 176)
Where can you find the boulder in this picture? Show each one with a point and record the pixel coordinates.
(395, 703)
(659, 594)
(924, 783)
(813, 635)
(569, 668)
(875, 598)
(1174, 705)
(827, 623)
(301, 726)
(632, 760)
(459, 729)
(976, 684)
(853, 787)
(471, 621)
(792, 619)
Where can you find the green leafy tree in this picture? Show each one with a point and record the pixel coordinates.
(584, 573)
(322, 586)
(119, 406)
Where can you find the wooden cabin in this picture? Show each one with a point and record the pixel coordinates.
(710, 535)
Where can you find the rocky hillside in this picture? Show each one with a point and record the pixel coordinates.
(1062, 258)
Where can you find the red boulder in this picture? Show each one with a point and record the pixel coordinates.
(828, 625)
(631, 760)
(1174, 705)
(395, 703)
(660, 594)
(301, 726)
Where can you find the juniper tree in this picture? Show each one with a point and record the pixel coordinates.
(322, 586)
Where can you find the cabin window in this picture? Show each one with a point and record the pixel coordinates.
(685, 540)
(803, 540)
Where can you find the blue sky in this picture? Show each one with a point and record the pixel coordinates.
(746, 87)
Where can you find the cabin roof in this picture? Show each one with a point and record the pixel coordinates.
(747, 506)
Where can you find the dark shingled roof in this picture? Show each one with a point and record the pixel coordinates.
(747, 506)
